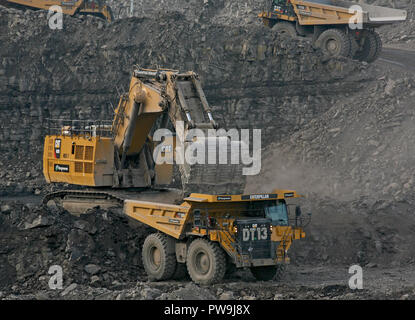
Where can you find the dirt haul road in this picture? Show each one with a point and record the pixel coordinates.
(403, 59)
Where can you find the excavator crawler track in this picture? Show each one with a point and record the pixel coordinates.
(79, 201)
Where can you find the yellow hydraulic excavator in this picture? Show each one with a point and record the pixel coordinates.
(122, 154)
(91, 7)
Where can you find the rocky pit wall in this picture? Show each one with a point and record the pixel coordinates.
(245, 12)
(252, 79)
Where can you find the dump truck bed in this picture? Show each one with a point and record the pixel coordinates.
(337, 12)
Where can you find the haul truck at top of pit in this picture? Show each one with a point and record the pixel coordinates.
(212, 230)
(96, 8)
(333, 25)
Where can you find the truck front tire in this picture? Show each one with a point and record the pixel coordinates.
(334, 43)
(206, 262)
(159, 256)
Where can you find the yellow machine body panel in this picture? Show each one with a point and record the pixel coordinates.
(166, 218)
(276, 194)
(148, 111)
(78, 160)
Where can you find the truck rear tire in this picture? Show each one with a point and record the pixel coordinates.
(285, 28)
(334, 43)
(371, 47)
(206, 262)
(159, 256)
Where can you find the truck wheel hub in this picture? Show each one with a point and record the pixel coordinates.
(332, 46)
(155, 257)
(202, 262)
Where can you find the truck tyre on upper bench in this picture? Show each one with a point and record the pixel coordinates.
(159, 256)
(334, 43)
(370, 48)
(287, 28)
(206, 262)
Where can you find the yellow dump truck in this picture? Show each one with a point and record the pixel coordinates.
(210, 234)
(339, 28)
(91, 7)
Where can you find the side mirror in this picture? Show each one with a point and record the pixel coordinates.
(297, 211)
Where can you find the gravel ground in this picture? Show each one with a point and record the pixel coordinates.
(298, 283)
(100, 258)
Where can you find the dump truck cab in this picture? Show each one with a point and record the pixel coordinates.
(213, 233)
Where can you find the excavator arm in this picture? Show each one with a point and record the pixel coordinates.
(170, 95)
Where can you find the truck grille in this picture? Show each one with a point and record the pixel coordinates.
(254, 238)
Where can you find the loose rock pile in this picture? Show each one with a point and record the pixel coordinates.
(97, 249)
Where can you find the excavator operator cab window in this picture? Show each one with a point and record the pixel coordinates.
(277, 212)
